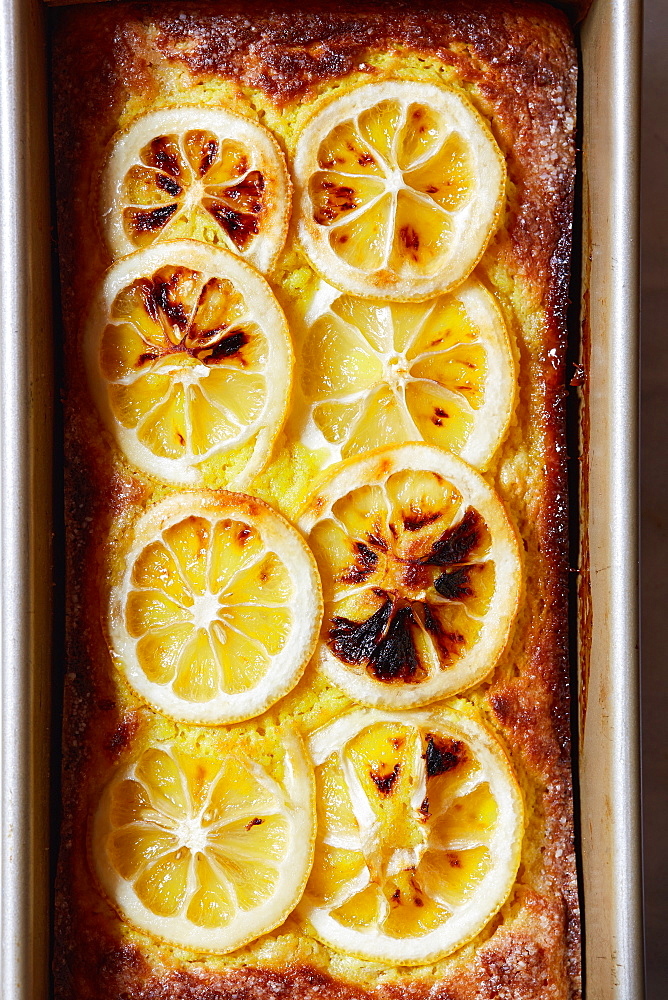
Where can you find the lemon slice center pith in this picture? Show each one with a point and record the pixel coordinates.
(197, 172)
(417, 584)
(401, 184)
(194, 817)
(192, 331)
(208, 852)
(179, 346)
(421, 575)
(419, 832)
(218, 610)
(392, 165)
(376, 374)
(236, 606)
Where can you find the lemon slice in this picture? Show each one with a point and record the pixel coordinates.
(200, 173)
(420, 826)
(189, 357)
(421, 575)
(440, 371)
(399, 186)
(206, 852)
(218, 609)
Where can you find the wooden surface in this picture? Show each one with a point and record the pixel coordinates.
(654, 497)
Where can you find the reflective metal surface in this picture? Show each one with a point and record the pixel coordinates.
(25, 494)
(609, 739)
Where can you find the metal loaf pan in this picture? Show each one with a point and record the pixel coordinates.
(609, 750)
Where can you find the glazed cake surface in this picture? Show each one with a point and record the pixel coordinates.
(516, 63)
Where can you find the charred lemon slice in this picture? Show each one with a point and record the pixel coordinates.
(218, 610)
(399, 186)
(189, 357)
(200, 173)
(420, 826)
(421, 575)
(440, 371)
(206, 852)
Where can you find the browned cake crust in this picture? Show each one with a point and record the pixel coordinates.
(519, 61)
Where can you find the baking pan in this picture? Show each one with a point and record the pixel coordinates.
(25, 503)
(608, 692)
(609, 759)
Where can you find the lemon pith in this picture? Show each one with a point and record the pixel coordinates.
(193, 172)
(436, 605)
(205, 852)
(188, 356)
(399, 185)
(373, 374)
(218, 609)
(421, 575)
(419, 831)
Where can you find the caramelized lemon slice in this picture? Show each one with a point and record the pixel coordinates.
(440, 371)
(399, 186)
(205, 852)
(218, 609)
(420, 826)
(200, 173)
(189, 357)
(421, 575)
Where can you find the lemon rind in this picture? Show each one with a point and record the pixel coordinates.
(489, 423)
(472, 667)
(306, 606)
(298, 792)
(489, 163)
(126, 145)
(264, 430)
(505, 847)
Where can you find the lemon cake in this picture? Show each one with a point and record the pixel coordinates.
(314, 277)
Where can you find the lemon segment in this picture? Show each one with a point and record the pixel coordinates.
(399, 186)
(197, 173)
(207, 853)
(421, 575)
(218, 609)
(420, 824)
(375, 374)
(188, 357)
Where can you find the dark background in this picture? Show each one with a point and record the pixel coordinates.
(654, 491)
